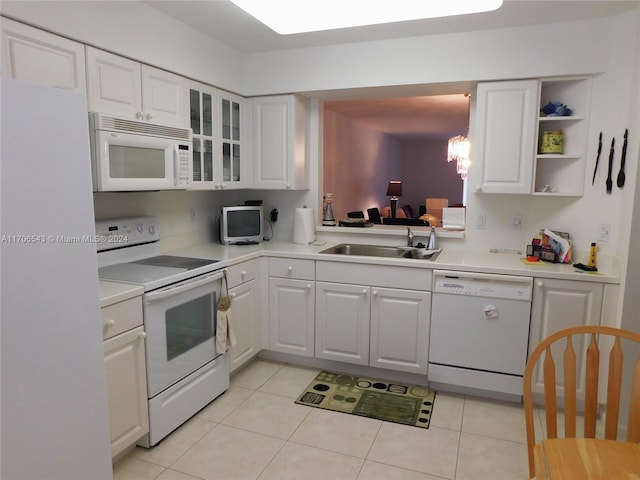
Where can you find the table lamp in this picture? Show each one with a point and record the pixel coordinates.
(394, 190)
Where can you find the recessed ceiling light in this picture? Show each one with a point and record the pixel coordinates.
(297, 16)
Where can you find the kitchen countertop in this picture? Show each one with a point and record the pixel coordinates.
(448, 259)
(113, 292)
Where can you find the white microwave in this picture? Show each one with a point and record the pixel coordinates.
(129, 155)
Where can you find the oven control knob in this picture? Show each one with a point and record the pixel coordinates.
(152, 229)
(139, 227)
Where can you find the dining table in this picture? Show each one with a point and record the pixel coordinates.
(586, 459)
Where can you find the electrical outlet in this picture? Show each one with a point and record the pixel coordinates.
(481, 221)
(516, 221)
(604, 232)
(192, 215)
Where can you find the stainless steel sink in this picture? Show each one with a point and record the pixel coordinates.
(381, 251)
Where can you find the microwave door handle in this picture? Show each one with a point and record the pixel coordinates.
(172, 290)
(176, 159)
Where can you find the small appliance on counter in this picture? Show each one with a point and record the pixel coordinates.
(241, 225)
(328, 220)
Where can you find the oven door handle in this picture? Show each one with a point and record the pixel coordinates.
(182, 287)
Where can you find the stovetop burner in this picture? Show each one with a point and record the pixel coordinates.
(175, 262)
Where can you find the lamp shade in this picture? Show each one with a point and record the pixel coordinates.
(394, 189)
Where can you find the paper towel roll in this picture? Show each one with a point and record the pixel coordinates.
(304, 226)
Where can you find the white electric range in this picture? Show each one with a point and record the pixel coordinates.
(184, 370)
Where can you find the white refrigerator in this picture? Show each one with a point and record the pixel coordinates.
(53, 403)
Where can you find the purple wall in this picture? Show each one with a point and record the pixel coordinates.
(426, 173)
(359, 162)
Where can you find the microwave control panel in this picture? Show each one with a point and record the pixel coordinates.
(184, 166)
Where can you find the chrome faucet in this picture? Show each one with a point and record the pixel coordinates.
(409, 237)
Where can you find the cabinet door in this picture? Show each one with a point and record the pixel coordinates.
(32, 55)
(203, 120)
(126, 389)
(114, 84)
(163, 97)
(400, 321)
(504, 145)
(291, 317)
(342, 322)
(244, 310)
(559, 304)
(232, 141)
(279, 142)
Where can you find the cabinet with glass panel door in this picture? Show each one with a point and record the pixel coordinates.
(215, 121)
(232, 116)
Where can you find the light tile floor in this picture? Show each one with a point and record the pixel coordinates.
(256, 431)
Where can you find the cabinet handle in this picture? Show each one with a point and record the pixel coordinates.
(148, 116)
(290, 269)
(308, 286)
(232, 295)
(139, 115)
(364, 291)
(243, 273)
(288, 185)
(375, 292)
(109, 323)
(540, 283)
(142, 335)
(478, 188)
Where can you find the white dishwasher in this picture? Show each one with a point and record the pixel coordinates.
(479, 332)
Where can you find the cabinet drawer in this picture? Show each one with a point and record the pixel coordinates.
(241, 273)
(292, 268)
(120, 317)
(374, 275)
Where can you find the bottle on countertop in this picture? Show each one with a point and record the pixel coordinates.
(592, 255)
(433, 241)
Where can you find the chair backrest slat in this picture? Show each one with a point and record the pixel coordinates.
(591, 389)
(633, 422)
(613, 391)
(569, 390)
(591, 356)
(549, 367)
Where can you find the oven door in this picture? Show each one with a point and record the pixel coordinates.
(180, 323)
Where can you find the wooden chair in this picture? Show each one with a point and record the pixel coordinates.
(593, 337)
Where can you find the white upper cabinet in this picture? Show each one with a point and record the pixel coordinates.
(510, 130)
(280, 156)
(125, 88)
(233, 147)
(35, 56)
(504, 144)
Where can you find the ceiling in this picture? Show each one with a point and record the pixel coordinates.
(221, 19)
(433, 117)
(408, 114)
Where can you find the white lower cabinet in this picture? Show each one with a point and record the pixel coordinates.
(400, 321)
(124, 361)
(291, 306)
(367, 322)
(342, 322)
(559, 304)
(245, 306)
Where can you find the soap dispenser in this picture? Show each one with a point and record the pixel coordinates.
(433, 241)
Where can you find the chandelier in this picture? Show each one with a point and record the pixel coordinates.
(458, 149)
